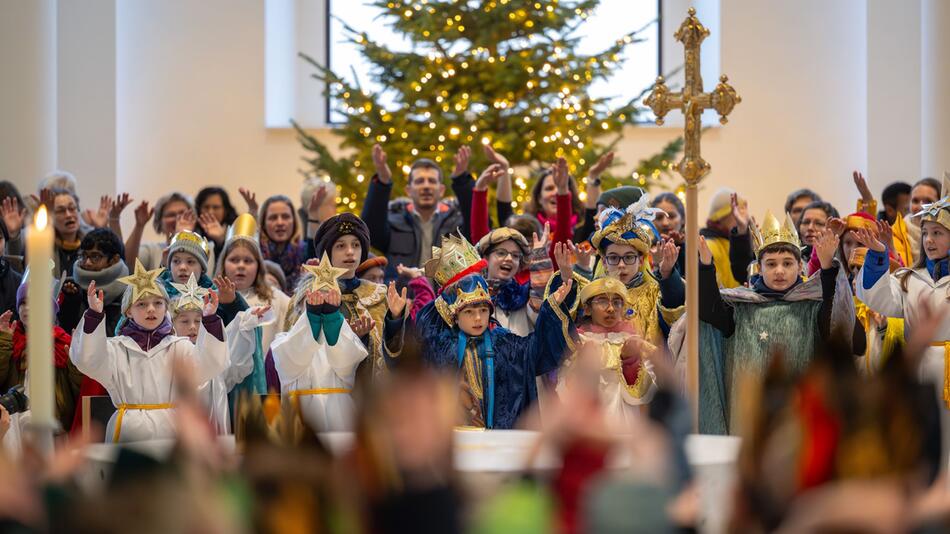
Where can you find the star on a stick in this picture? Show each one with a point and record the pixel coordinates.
(325, 275)
(143, 282)
(191, 295)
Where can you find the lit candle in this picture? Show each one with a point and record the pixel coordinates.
(39, 252)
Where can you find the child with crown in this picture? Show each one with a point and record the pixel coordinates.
(742, 329)
(909, 292)
(496, 368)
(135, 365)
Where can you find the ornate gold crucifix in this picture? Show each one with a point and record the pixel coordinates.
(692, 101)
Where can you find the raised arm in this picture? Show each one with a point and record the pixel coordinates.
(211, 350)
(89, 350)
(712, 309)
(462, 184)
(143, 214)
(376, 206)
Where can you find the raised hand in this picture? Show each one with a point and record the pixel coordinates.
(143, 214)
(742, 219)
(100, 217)
(869, 240)
(250, 198)
(362, 325)
(541, 242)
(95, 298)
(461, 158)
(211, 304)
(564, 255)
(584, 254)
(213, 229)
(668, 253)
(259, 311)
(495, 157)
(47, 198)
(885, 234)
(395, 300)
(602, 164)
(227, 291)
(13, 215)
(837, 225)
(6, 325)
(827, 245)
(705, 255)
(561, 293)
(316, 200)
(379, 161)
(118, 205)
(410, 272)
(186, 221)
(862, 184)
(561, 176)
(489, 176)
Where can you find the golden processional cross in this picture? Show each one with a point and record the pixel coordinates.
(692, 101)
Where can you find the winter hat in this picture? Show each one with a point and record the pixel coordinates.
(720, 206)
(620, 197)
(192, 243)
(373, 261)
(336, 227)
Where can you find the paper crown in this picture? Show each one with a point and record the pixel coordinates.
(453, 260)
(939, 211)
(602, 286)
(771, 233)
(190, 295)
(143, 282)
(861, 220)
(468, 290)
(187, 239)
(856, 260)
(244, 227)
(633, 226)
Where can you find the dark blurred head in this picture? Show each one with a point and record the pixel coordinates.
(215, 201)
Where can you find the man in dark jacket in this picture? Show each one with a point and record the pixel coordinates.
(405, 232)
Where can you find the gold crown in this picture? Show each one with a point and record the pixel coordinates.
(449, 311)
(602, 286)
(187, 236)
(245, 226)
(614, 232)
(771, 232)
(857, 256)
(454, 256)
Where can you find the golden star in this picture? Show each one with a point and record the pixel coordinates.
(325, 275)
(143, 282)
(191, 296)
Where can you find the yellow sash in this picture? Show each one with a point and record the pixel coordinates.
(946, 369)
(297, 393)
(124, 407)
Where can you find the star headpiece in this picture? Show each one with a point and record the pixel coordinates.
(191, 296)
(325, 275)
(143, 282)
(939, 211)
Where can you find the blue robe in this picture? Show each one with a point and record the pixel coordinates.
(517, 360)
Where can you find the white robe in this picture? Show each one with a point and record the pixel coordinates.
(242, 341)
(520, 322)
(134, 376)
(279, 304)
(887, 298)
(304, 363)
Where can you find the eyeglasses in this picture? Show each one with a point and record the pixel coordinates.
(65, 210)
(628, 259)
(501, 254)
(92, 257)
(606, 302)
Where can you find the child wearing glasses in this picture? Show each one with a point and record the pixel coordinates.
(655, 298)
(513, 271)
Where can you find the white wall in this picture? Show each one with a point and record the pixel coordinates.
(190, 99)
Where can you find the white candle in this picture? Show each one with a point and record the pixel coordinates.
(39, 252)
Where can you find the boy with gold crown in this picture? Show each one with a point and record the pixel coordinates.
(741, 328)
(135, 365)
(496, 368)
(905, 292)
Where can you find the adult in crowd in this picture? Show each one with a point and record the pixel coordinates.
(215, 215)
(173, 213)
(797, 200)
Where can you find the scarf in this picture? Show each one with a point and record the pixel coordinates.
(348, 285)
(107, 280)
(61, 341)
(758, 285)
(938, 269)
(288, 255)
(146, 339)
(542, 218)
(636, 280)
(487, 353)
(509, 295)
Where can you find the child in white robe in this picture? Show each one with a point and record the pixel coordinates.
(316, 361)
(135, 366)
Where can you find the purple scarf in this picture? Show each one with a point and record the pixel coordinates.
(289, 256)
(146, 339)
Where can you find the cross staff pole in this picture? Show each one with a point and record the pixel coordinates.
(692, 101)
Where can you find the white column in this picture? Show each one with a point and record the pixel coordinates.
(935, 88)
(28, 91)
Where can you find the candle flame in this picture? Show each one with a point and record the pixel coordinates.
(41, 218)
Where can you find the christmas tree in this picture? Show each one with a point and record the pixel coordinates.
(503, 72)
